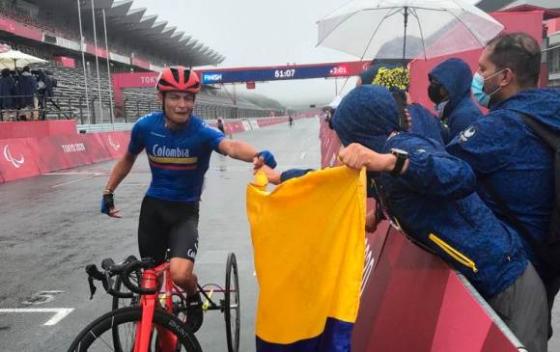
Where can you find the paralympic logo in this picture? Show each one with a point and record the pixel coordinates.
(115, 146)
(368, 267)
(8, 155)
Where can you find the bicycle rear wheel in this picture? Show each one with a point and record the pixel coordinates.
(231, 304)
(98, 336)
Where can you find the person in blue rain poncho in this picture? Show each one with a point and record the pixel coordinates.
(432, 195)
(450, 90)
(514, 167)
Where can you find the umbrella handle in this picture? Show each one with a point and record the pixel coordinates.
(405, 27)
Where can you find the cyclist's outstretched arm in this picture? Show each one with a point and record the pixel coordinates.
(118, 173)
(238, 150)
(277, 177)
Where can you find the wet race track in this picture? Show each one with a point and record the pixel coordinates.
(51, 229)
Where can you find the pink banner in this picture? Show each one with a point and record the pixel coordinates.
(329, 145)
(19, 29)
(234, 127)
(552, 26)
(36, 129)
(93, 50)
(231, 126)
(54, 148)
(47, 155)
(17, 160)
(116, 143)
(25, 157)
(132, 80)
(263, 122)
(135, 79)
(65, 61)
(415, 303)
(61, 152)
(96, 147)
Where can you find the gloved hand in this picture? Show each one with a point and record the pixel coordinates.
(267, 158)
(108, 205)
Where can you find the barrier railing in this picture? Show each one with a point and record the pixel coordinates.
(411, 300)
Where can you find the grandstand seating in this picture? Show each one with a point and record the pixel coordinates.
(70, 94)
(211, 103)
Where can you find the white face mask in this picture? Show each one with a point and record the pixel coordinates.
(440, 108)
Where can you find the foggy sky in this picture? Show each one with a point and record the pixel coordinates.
(261, 33)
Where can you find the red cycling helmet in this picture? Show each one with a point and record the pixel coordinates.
(178, 79)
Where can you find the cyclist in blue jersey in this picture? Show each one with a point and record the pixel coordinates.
(178, 145)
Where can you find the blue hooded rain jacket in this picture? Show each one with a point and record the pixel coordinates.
(511, 162)
(434, 200)
(461, 111)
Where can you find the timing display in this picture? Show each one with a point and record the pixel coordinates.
(289, 73)
(256, 74)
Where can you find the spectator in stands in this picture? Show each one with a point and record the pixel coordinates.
(330, 110)
(220, 124)
(26, 90)
(224, 128)
(431, 194)
(44, 91)
(7, 89)
(396, 79)
(515, 168)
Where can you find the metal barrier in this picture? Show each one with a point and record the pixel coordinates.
(104, 127)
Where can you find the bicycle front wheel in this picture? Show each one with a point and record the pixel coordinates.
(98, 336)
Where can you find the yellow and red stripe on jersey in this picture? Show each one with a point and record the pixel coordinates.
(173, 163)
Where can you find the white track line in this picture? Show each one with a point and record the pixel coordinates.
(68, 182)
(80, 173)
(60, 313)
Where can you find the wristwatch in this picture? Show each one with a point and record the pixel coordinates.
(401, 156)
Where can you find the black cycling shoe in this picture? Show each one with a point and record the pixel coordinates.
(195, 314)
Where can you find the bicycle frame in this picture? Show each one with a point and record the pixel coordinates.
(152, 288)
(167, 341)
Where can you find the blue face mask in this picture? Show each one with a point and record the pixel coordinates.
(477, 89)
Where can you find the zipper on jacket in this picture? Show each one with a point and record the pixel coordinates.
(455, 254)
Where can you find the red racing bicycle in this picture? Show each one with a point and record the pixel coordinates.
(154, 318)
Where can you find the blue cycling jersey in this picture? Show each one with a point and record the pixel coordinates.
(178, 159)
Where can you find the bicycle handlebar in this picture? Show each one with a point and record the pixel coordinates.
(132, 266)
(111, 269)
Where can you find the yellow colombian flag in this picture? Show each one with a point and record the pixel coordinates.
(308, 238)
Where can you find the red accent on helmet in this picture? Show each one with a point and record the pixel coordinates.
(178, 79)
